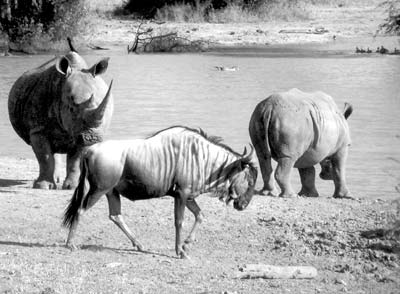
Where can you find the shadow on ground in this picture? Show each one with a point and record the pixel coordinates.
(9, 183)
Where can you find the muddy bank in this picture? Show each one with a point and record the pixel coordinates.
(326, 24)
(335, 26)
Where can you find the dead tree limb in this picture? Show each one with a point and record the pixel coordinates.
(253, 271)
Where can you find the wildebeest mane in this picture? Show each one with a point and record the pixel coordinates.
(217, 140)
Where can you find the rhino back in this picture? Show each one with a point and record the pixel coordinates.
(307, 126)
(31, 98)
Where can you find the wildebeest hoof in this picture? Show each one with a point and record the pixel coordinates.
(183, 255)
(138, 246)
(71, 246)
(45, 185)
(186, 247)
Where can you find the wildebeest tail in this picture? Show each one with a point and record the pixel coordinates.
(71, 214)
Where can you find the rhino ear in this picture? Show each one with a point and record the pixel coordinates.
(100, 67)
(62, 66)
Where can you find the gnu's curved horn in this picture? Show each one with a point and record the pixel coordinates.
(244, 151)
(249, 156)
(95, 115)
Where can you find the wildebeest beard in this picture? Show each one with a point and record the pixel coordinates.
(220, 176)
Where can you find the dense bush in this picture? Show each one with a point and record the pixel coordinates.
(392, 22)
(213, 10)
(148, 8)
(22, 20)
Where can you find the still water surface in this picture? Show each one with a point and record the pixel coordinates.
(152, 92)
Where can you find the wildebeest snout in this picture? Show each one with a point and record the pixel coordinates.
(326, 170)
(240, 205)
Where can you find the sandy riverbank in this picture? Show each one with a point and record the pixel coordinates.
(338, 23)
(346, 26)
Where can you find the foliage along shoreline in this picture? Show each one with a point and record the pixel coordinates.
(104, 29)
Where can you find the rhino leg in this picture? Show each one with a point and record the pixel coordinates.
(307, 177)
(57, 167)
(339, 174)
(264, 158)
(73, 170)
(282, 176)
(44, 155)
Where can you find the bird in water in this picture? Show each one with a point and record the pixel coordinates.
(227, 68)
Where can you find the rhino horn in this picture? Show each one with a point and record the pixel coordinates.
(95, 115)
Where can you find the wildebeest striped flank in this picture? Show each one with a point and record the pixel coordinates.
(178, 161)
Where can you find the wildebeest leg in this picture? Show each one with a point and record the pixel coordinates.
(307, 177)
(282, 176)
(73, 169)
(114, 205)
(339, 174)
(195, 209)
(179, 211)
(92, 197)
(41, 148)
(69, 243)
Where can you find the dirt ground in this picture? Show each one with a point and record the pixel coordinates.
(345, 240)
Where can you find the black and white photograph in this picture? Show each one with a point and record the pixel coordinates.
(200, 146)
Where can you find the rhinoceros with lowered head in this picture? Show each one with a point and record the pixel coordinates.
(61, 107)
(299, 129)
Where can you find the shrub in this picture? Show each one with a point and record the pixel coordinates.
(233, 11)
(392, 22)
(28, 20)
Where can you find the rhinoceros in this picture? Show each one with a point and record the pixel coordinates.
(61, 107)
(300, 130)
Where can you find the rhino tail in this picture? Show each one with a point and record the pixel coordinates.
(76, 204)
(348, 110)
(259, 127)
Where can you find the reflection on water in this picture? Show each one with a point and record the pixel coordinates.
(156, 91)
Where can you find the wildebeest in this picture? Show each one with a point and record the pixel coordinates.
(178, 161)
(61, 107)
(299, 129)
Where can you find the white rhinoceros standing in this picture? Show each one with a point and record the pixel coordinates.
(61, 107)
(299, 129)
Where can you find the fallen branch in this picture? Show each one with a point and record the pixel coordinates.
(254, 271)
(145, 41)
(317, 31)
(95, 47)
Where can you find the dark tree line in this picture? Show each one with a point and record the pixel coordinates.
(392, 22)
(148, 8)
(21, 18)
